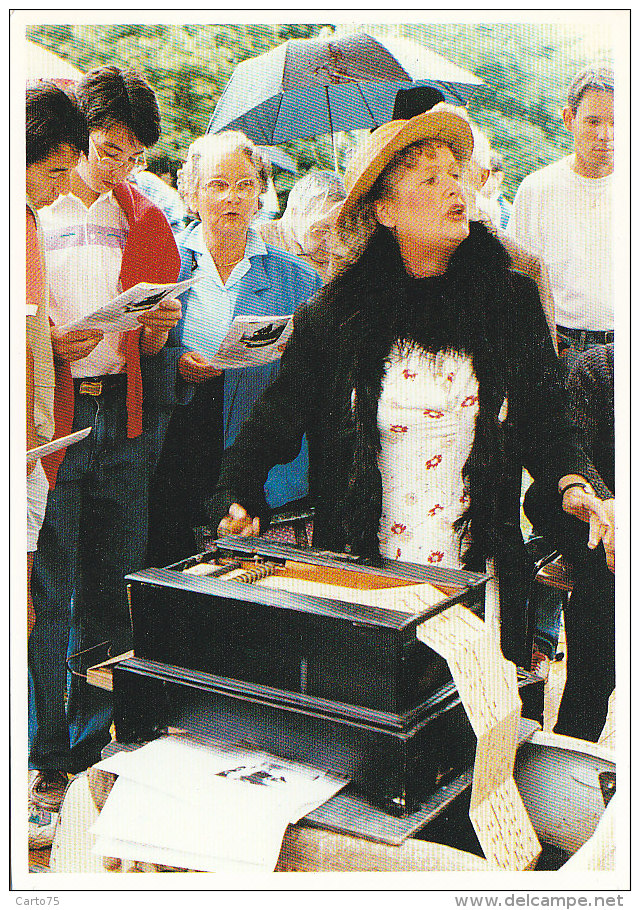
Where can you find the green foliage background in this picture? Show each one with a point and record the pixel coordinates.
(526, 68)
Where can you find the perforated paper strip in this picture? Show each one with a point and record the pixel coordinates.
(488, 688)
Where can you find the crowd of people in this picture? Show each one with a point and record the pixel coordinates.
(421, 377)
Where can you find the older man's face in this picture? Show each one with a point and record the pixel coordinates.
(316, 241)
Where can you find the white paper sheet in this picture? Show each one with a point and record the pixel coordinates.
(253, 340)
(214, 800)
(237, 822)
(151, 853)
(121, 313)
(62, 443)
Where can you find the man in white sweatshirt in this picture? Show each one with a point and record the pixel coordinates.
(563, 213)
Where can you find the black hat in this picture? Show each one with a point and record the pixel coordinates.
(416, 100)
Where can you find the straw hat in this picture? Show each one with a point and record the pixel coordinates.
(376, 151)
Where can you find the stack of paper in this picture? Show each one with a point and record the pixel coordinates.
(208, 806)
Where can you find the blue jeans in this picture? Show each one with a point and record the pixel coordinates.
(94, 533)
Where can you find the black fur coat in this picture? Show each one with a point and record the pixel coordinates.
(330, 381)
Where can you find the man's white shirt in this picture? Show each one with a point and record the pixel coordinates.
(566, 220)
(84, 249)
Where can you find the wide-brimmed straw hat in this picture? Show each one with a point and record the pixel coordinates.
(376, 151)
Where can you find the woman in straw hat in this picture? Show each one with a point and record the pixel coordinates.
(424, 377)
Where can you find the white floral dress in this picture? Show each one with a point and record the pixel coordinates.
(426, 417)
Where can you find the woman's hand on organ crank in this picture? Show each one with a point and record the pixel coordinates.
(74, 345)
(600, 514)
(195, 368)
(238, 521)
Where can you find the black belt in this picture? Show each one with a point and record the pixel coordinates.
(586, 336)
(100, 385)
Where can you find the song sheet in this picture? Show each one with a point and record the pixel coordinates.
(209, 806)
(62, 442)
(487, 685)
(253, 340)
(121, 313)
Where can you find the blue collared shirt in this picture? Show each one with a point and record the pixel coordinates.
(266, 282)
(211, 305)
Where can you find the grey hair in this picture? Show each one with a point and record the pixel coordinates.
(202, 149)
(359, 224)
(597, 78)
(315, 189)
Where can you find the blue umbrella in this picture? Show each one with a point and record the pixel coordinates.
(305, 88)
(278, 157)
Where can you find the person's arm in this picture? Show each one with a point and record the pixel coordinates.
(546, 435)
(156, 326)
(73, 345)
(273, 432)
(521, 225)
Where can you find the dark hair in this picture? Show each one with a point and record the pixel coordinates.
(53, 118)
(598, 78)
(110, 96)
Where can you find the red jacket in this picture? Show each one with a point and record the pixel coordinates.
(151, 255)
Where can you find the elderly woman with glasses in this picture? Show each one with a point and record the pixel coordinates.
(424, 377)
(221, 182)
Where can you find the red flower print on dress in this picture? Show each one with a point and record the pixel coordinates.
(397, 528)
(408, 374)
(433, 462)
(436, 508)
(469, 401)
(433, 412)
(398, 428)
(398, 553)
(450, 377)
(436, 556)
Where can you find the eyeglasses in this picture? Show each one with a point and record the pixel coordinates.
(219, 189)
(111, 162)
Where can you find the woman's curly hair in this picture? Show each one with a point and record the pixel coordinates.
(359, 224)
(203, 149)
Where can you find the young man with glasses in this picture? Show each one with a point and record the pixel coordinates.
(100, 239)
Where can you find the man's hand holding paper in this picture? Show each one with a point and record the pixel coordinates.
(157, 323)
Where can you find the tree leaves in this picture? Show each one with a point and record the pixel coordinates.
(526, 68)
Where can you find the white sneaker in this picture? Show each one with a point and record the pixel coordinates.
(540, 664)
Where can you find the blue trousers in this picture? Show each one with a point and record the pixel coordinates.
(94, 533)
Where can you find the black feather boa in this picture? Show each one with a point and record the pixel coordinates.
(462, 310)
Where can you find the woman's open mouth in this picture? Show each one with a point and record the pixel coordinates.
(457, 212)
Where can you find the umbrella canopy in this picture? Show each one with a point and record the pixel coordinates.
(305, 88)
(42, 64)
(278, 157)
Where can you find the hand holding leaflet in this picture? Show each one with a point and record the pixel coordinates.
(253, 340)
(121, 313)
